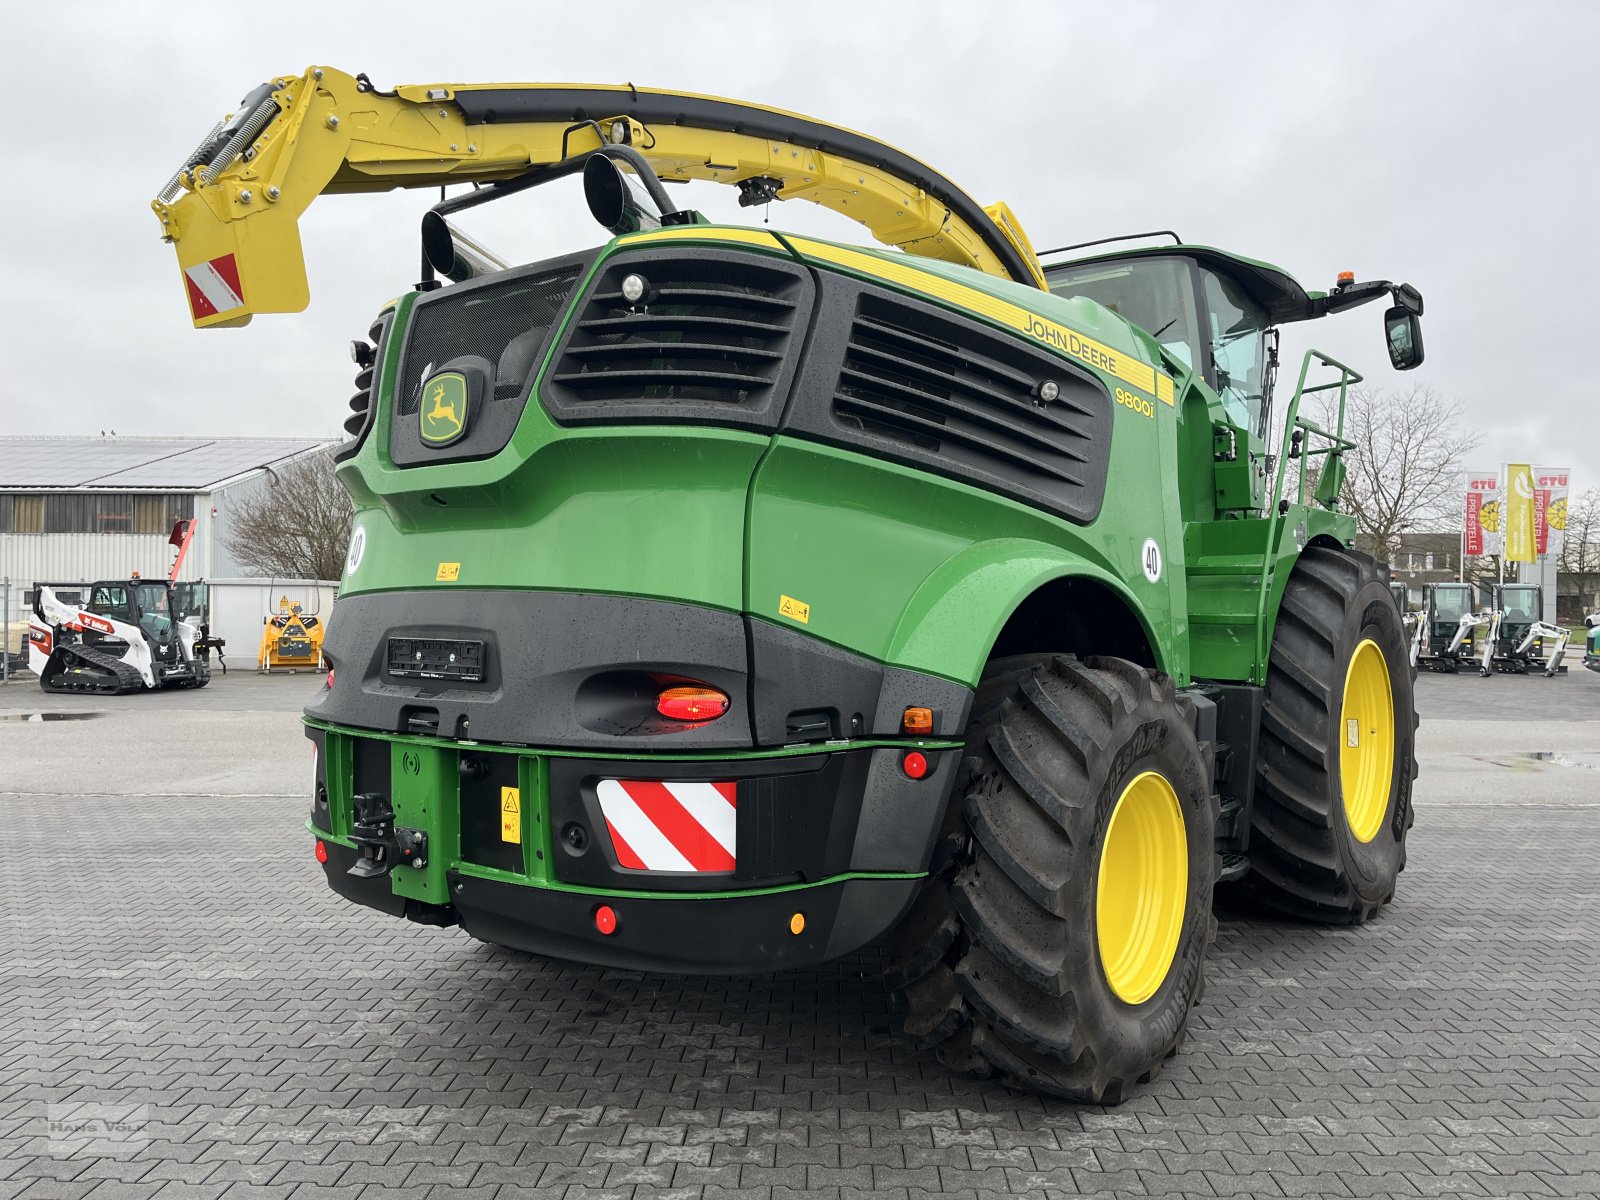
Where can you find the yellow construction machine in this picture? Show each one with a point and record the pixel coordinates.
(291, 639)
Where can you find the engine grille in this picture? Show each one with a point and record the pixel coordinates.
(710, 341)
(938, 391)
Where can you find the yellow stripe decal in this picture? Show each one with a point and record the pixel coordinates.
(1164, 388)
(1117, 363)
(678, 233)
(1002, 312)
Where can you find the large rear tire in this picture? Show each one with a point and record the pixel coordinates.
(1338, 740)
(1060, 939)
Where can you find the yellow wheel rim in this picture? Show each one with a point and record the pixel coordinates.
(1366, 741)
(1143, 888)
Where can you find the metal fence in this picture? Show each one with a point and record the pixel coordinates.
(14, 625)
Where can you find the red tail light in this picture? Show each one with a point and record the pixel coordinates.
(691, 702)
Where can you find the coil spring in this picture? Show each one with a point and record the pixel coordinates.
(210, 166)
(246, 133)
(175, 185)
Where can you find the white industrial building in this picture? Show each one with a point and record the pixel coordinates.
(88, 508)
(100, 508)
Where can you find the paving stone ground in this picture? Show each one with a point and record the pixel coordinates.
(177, 961)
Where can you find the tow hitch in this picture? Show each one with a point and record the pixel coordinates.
(383, 846)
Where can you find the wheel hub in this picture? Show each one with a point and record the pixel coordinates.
(1143, 888)
(1366, 741)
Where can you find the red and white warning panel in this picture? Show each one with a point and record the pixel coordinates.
(671, 826)
(213, 287)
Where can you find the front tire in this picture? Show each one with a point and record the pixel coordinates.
(1338, 731)
(1060, 939)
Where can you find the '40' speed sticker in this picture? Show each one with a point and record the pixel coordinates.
(358, 547)
(1152, 560)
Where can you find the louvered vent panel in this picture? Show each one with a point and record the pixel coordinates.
(960, 396)
(363, 404)
(708, 342)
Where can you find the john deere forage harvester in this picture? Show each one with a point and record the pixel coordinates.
(722, 599)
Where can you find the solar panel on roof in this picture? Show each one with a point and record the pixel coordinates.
(116, 463)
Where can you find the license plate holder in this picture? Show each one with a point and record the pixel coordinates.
(456, 660)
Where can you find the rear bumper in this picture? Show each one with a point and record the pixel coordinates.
(724, 935)
(840, 837)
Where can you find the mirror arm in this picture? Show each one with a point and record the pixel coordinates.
(1352, 296)
(1357, 294)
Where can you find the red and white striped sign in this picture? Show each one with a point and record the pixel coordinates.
(213, 287)
(671, 826)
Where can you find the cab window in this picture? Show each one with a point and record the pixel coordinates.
(1520, 603)
(1156, 294)
(154, 618)
(1451, 604)
(1236, 333)
(153, 599)
(111, 602)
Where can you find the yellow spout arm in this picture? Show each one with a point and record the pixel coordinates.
(233, 210)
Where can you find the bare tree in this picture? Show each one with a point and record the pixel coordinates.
(297, 525)
(1405, 471)
(1580, 548)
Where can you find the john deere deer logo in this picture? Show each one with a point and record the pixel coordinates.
(444, 408)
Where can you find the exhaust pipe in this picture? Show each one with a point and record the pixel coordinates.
(453, 254)
(612, 201)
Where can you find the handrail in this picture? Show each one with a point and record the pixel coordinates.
(1278, 509)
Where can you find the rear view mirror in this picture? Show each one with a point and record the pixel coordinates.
(1402, 330)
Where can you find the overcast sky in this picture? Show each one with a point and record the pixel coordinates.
(1451, 145)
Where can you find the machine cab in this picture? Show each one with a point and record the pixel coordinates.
(154, 610)
(1447, 604)
(137, 602)
(1217, 314)
(1213, 312)
(1520, 605)
(112, 600)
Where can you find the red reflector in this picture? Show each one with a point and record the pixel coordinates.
(914, 764)
(330, 676)
(321, 851)
(605, 919)
(691, 703)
